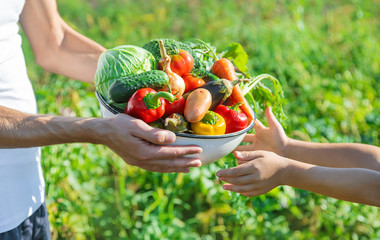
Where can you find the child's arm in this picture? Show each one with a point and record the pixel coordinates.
(261, 171)
(338, 155)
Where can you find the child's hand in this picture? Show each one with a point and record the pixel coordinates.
(272, 138)
(258, 172)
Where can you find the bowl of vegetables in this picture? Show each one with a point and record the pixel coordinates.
(183, 87)
(214, 146)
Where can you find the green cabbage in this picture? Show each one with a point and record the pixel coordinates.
(119, 62)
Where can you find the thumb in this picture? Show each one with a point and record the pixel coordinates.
(247, 155)
(154, 135)
(272, 120)
(258, 125)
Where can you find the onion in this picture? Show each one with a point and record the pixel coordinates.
(176, 83)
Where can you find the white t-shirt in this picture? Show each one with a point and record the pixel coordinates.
(21, 181)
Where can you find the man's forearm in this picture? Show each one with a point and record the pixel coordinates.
(56, 46)
(19, 129)
(338, 155)
(77, 56)
(349, 184)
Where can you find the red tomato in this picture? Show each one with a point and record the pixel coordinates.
(182, 62)
(192, 82)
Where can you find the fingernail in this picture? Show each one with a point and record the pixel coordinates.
(196, 163)
(238, 154)
(218, 173)
(225, 187)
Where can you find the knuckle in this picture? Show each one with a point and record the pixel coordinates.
(159, 137)
(174, 155)
(171, 165)
(246, 154)
(252, 167)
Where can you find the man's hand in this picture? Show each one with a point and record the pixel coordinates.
(141, 145)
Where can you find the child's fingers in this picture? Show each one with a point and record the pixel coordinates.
(252, 192)
(249, 138)
(247, 155)
(234, 172)
(258, 125)
(246, 179)
(240, 162)
(239, 188)
(272, 120)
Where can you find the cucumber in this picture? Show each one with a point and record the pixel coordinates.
(123, 88)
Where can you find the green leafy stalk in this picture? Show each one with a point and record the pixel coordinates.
(248, 87)
(203, 45)
(255, 88)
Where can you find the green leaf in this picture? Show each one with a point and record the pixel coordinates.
(237, 55)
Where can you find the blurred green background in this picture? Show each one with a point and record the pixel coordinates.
(326, 56)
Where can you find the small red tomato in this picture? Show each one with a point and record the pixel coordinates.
(192, 82)
(182, 62)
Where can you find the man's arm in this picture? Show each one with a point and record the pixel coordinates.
(134, 141)
(18, 129)
(57, 47)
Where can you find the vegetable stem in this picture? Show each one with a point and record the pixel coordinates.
(162, 49)
(205, 45)
(152, 101)
(247, 88)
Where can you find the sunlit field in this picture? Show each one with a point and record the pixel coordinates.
(325, 55)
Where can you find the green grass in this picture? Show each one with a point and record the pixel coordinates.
(326, 56)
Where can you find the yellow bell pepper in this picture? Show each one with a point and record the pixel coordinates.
(211, 124)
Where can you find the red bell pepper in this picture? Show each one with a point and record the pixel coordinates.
(235, 119)
(177, 106)
(147, 104)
